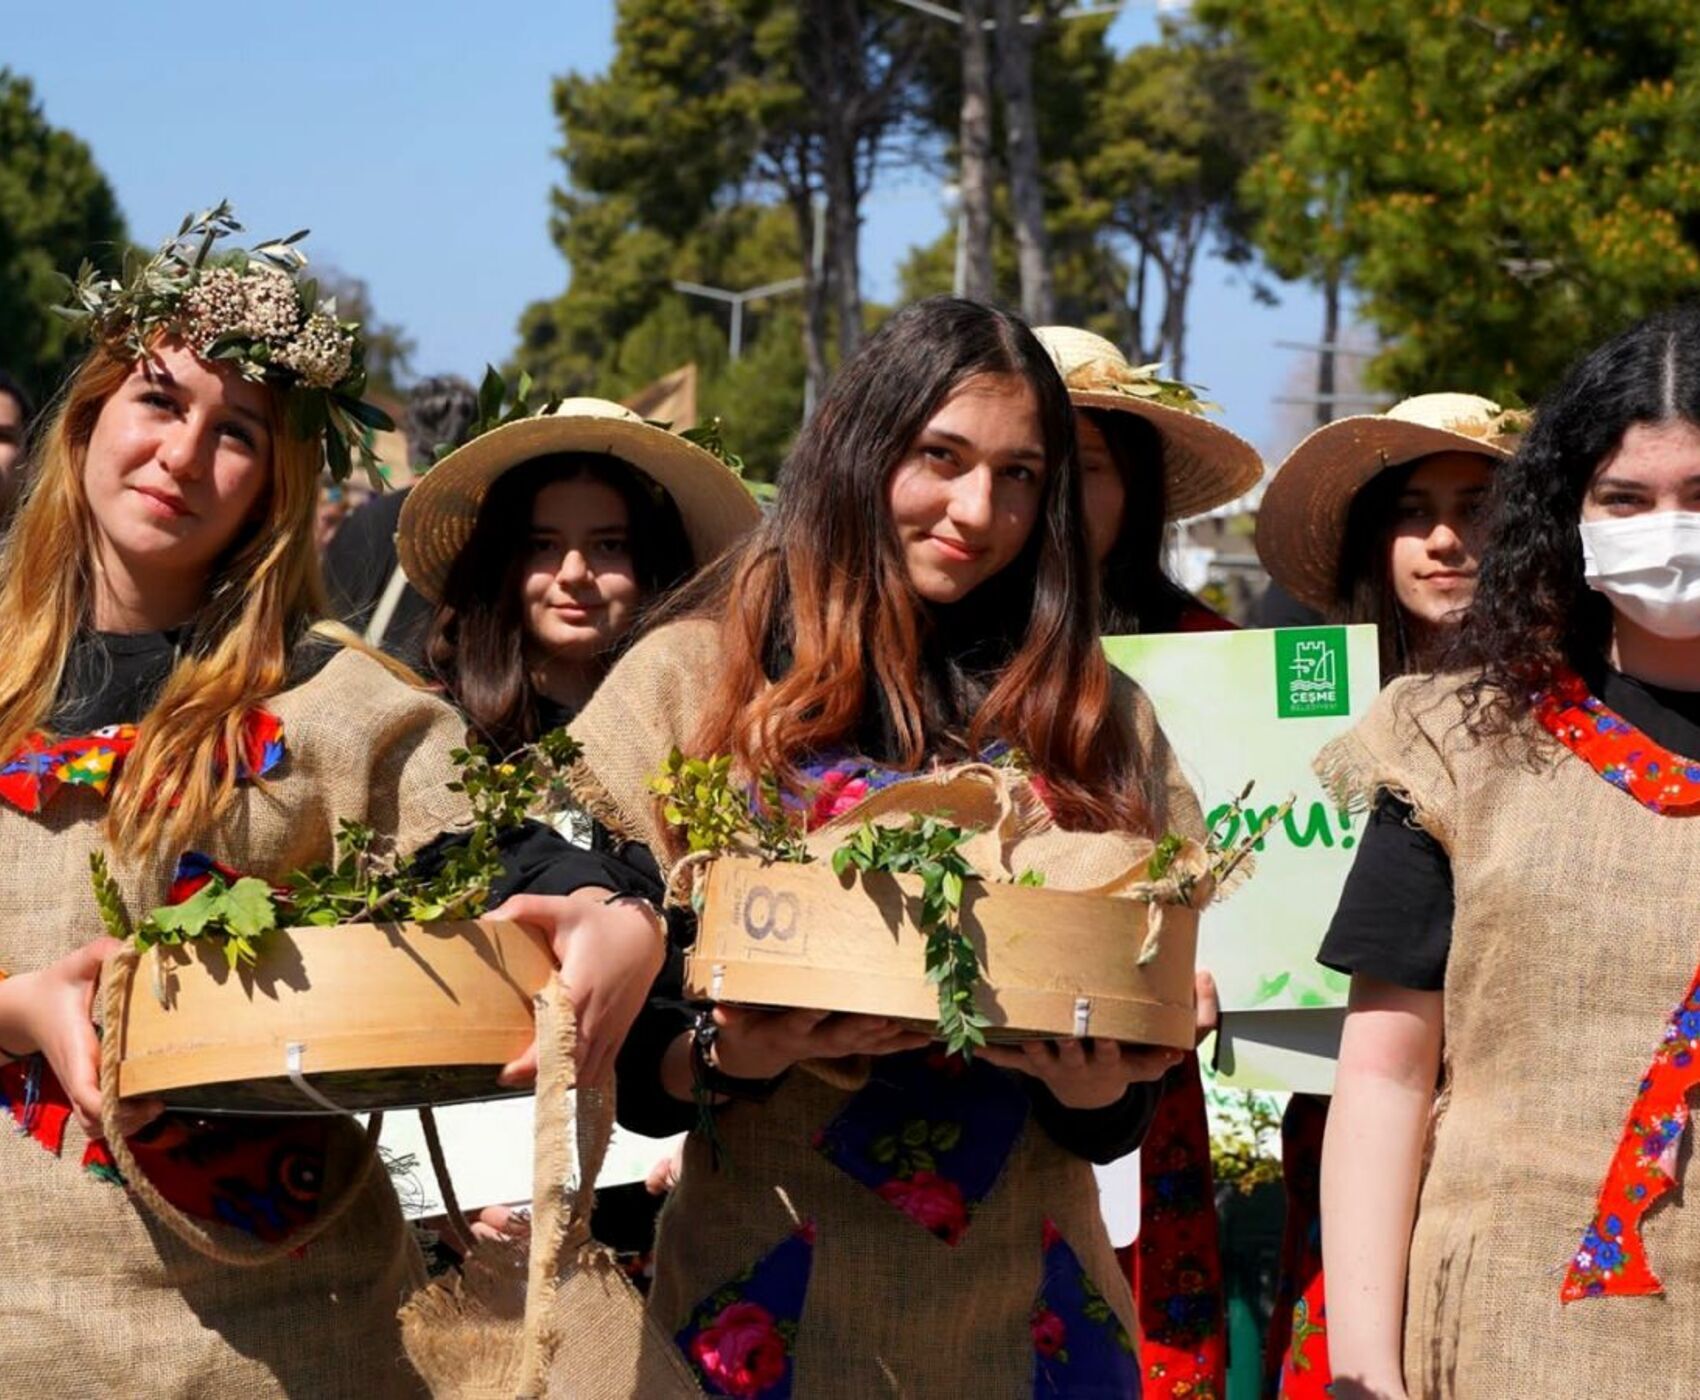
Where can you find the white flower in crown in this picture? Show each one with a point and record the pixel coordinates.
(321, 352)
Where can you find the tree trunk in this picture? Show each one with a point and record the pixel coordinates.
(1021, 137)
(974, 225)
(1325, 380)
(839, 29)
(815, 293)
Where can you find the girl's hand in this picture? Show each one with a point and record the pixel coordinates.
(609, 955)
(764, 1044)
(664, 1175)
(51, 1011)
(1206, 1005)
(1084, 1073)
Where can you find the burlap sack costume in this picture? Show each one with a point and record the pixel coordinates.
(1571, 943)
(890, 1309)
(98, 1297)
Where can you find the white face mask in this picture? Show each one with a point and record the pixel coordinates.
(1649, 566)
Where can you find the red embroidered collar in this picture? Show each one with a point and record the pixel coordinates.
(42, 766)
(1620, 753)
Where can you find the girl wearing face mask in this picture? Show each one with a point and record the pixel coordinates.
(920, 596)
(164, 688)
(1529, 923)
(542, 542)
(1150, 456)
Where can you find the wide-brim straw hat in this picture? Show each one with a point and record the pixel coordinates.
(1301, 523)
(438, 516)
(1204, 464)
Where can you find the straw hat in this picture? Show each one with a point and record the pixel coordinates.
(1204, 465)
(437, 518)
(1301, 523)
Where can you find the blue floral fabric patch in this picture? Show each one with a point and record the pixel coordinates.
(929, 1134)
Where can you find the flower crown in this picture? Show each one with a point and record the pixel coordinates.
(248, 308)
(1104, 376)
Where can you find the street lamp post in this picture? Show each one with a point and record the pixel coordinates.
(736, 300)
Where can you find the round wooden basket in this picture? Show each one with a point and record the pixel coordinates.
(1054, 963)
(359, 1017)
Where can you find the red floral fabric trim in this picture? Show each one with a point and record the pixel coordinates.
(1620, 753)
(1296, 1356)
(42, 766)
(1612, 1258)
(1177, 1263)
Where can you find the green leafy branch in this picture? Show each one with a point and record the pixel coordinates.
(931, 850)
(699, 796)
(498, 405)
(1222, 860)
(363, 882)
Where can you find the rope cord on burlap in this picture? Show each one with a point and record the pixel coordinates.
(231, 1249)
(459, 1231)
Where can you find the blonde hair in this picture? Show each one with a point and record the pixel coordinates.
(264, 594)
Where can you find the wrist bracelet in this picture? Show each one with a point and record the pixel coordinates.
(709, 1078)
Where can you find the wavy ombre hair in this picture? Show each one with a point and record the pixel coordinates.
(263, 594)
(827, 643)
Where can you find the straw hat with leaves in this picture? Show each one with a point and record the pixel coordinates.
(1204, 464)
(1301, 524)
(694, 470)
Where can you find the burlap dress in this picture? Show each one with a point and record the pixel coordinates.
(847, 1246)
(1573, 939)
(96, 1298)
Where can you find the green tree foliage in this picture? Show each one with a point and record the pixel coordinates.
(702, 154)
(56, 208)
(1144, 153)
(620, 325)
(1506, 181)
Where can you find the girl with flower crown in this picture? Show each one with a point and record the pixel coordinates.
(163, 689)
(1521, 936)
(869, 1216)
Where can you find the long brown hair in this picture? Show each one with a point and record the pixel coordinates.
(1363, 590)
(826, 641)
(263, 595)
(477, 640)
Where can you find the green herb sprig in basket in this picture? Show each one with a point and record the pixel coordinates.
(364, 881)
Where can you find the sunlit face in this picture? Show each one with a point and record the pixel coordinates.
(968, 490)
(177, 465)
(11, 441)
(580, 588)
(1103, 492)
(1436, 540)
(1656, 467)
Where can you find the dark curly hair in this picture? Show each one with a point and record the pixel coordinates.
(1533, 612)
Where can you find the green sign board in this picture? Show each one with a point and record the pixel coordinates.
(1255, 707)
(1313, 673)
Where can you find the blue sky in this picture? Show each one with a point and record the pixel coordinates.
(417, 141)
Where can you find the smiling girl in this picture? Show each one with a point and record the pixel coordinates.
(163, 689)
(543, 540)
(921, 596)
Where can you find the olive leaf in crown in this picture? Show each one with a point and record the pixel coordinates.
(251, 309)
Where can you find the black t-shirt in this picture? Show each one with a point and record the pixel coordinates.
(1394, 920)
(111, 678)
(358, 564)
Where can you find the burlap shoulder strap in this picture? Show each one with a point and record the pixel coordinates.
(1413, 745)
(648, 704)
